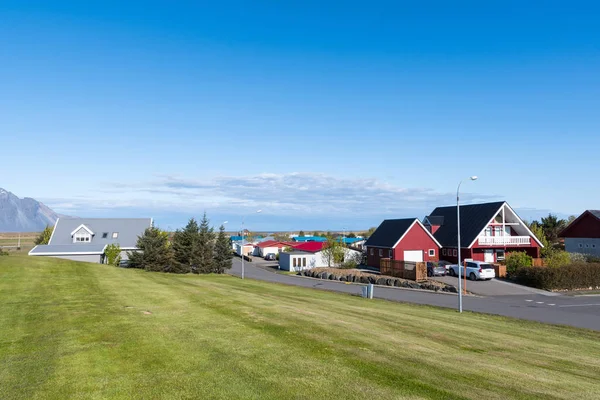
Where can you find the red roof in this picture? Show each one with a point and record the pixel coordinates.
(311, 247)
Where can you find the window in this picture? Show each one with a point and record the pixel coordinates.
(294, 262)
(454, 252)
(380, 252)
(587, 245)
(443, 252)
(593, 246)
(431, 252)
(104, 235)
(304, 262)
(497, 231)
(82, 236)
(390, 254)
(488, 231)
(115, 235)
(371, 251)
(581, 245)
(500, 255)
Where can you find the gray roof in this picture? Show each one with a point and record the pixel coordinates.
(72, 248)
(128, 231)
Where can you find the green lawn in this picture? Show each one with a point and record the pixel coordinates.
(73, 330)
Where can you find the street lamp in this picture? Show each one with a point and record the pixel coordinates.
(242, 248)
(460, 305)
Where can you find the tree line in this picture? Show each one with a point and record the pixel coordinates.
(195, 248)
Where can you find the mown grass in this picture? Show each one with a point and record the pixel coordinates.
(74, 330)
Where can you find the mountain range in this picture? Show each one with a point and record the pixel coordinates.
(23, 215)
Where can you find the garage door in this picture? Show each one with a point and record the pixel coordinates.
(413, 255)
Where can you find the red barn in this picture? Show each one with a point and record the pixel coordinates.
(402, 240)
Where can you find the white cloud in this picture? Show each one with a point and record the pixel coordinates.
(293, 194)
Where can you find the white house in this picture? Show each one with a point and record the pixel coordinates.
(309, 255)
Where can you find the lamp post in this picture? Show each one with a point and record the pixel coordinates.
(460, 305)
(242, 248)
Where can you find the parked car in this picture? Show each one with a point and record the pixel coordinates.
(271, 257)
(444, 263)
(435, 269)
(476, 270)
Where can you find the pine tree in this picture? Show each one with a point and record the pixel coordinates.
(223, 254)
(156, 254)
(206, 246)
(185, 247)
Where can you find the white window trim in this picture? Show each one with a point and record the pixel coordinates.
(115, 235)
(431, 252)
(380, 252)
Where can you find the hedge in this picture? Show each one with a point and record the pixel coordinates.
(569, 277)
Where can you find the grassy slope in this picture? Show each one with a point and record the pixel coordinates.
(72, 330)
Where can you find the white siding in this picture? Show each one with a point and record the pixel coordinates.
(306, 260)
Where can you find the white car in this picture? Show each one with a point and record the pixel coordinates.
(476, 270)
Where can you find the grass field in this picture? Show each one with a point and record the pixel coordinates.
(74, 330)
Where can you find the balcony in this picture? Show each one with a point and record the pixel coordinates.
(504, 240)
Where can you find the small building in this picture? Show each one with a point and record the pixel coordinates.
(583, 234)
(85, 239)
(248, 248)
(309, 255)
(270, 246)
(403, 240)
(487, 232)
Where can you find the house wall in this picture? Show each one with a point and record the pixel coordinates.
(286, 261)
(266, 250)
(450, 257)
(417, 239)
(587, 227)
(583, 245)
(93, 258)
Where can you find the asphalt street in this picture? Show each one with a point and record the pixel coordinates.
(534, 305)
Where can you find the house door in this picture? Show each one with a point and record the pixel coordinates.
(413, 255)
(488, 256)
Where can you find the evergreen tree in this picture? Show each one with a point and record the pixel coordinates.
(223, 254)
(44, 237)
(301, 234)
(206, 246)
(185, 247)
(156, 254)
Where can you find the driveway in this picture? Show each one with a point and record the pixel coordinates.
(494, 287)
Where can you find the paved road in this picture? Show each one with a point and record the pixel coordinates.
(582, 311)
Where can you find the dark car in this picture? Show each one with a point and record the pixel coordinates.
(271, 257)
(434, 269)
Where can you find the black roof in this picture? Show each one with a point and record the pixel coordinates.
(435, 219)
(596, 213)
(389, 232)
(473, 219)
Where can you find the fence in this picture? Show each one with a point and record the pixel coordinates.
(539, 262)
(414, 271)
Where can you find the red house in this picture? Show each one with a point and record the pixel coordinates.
(583, 234)
(403, 240)
(487, 232)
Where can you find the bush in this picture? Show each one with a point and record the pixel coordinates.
(578, 258)
(3, 253)
(558, 258)
(591, 258)
(349, 264)
(113, 254)
(515, 261)
(568, 277)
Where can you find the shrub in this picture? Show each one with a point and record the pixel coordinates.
(44, 236)
(591, 258)
(558, 258)
(113, 254)
(567, 277)
(578, 258)
(3, 253)
(516, 260)
(349, 264)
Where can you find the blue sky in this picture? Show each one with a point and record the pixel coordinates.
(324, 115)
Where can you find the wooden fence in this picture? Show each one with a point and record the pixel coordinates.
(414, 271)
